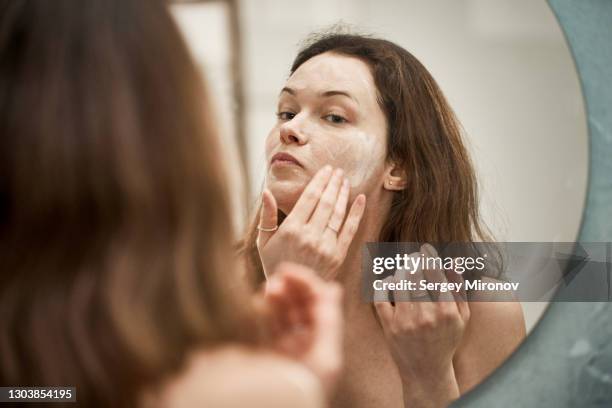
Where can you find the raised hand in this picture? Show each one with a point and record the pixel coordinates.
(423, 334)
(315, 233)
(305, 320)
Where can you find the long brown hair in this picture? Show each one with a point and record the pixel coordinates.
(440, 201)
(114, 223)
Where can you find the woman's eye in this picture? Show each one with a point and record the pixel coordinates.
(337, 119)
(285, 115)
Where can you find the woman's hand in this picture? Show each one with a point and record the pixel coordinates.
(423, 334)
(305, 320)
(314, 233)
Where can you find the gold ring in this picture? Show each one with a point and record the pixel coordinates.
(332, 228)
(267, 229)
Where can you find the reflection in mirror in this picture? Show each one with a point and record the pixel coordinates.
(506, 72)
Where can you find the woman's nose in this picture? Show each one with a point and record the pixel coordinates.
(291, 132)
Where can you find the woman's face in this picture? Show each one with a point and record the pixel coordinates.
(327, 114)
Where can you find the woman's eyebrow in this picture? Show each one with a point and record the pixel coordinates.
(290, 91)
(325, 94)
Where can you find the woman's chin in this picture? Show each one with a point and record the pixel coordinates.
(286, 193)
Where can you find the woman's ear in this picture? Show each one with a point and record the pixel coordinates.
(395, 178)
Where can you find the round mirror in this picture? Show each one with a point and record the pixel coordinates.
(504, 67)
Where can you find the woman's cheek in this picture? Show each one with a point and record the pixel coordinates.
(359, 156)
(272, 140)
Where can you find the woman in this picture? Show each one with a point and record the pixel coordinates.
(368, 108)
(117, 275)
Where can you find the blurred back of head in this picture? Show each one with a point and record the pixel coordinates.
(114, 228)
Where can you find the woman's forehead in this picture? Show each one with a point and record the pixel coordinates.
(330, 71)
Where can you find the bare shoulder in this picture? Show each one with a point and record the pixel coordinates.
(236, 377)
(495, 330)
(495, 310)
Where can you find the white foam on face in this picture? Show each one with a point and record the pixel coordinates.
(370, 156)
(357, 147)
(355, 151)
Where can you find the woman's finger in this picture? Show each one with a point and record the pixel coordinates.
(303, 285)
(416, 277)
(330, 234)
(301, 281)
(351, 225)
(382, 303)
(335, 221)
(278, 304)
(319, 305)
(419, 298)
(461, 296)
(310, 197)
(327, 203)
(443, 301)
(268, 220)
(401, 295)
(384, 295)
(385, 312)
(290, 295)
(437, 277)
(327, 321)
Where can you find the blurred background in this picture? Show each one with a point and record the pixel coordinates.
(503, 65)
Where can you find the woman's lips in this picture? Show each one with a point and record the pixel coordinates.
(284, 159)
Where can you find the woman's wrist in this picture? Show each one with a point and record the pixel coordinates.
(430, 389)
